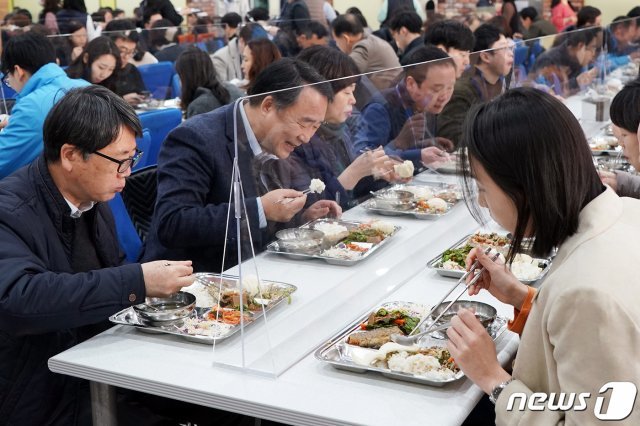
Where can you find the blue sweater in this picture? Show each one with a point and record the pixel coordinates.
(21, 140)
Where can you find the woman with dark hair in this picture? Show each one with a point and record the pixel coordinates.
(528, 158)
(510, 14)
(256, 56)
(201, 90)
(75, 10)
(330, 156)
(625, 116)
(562, 14)
(73, 44)
(47, 16)
(98, 64)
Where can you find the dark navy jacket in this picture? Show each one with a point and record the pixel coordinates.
(195, 168)
(44, 306)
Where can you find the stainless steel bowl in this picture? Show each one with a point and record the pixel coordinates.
(166, 309)
(485, 313)
(300, 240)
(395, 199)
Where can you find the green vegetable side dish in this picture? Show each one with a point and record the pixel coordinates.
(384, 318)
(458, 255)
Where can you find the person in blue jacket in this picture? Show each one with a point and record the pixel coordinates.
(61, 271)
(28, 65)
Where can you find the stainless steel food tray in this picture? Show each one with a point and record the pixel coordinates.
(274, 248)
(436, 264)
(129, 317)
(373, 206)
(338, 353)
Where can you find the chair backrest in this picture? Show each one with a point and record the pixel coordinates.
(139, 196)
(520, 55)
(157, 78)
(176, 86)
(159, 123)
(127, 235)
(144, 145)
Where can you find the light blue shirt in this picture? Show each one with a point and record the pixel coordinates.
(257, 150)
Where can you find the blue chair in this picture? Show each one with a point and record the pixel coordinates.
(176, 86)
(157, 78)
(128, 238)
(159, 123)
(144, 145)
(520, 55)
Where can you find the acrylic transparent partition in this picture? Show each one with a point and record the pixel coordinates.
(301, 138)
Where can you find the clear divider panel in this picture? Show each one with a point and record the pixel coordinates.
(306, 160)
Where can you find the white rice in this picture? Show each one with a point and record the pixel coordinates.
(384, 227)
(420, 192)
(331, 230)
(419, 365)
(342, 253)
(316, 186)
(203, 297)
(200, 327)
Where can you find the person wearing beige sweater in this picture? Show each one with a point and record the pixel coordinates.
(535, 176)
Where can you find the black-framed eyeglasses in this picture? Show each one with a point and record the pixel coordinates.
(5, 80)
(123, 165)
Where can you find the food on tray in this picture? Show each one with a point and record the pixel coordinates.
(316, 186)
(492, 240)
(420, 192)
(333, 232)
(524, 267)
(373, 232)
(603, 143)
(341, 251)
(382, 226)
(455, 258)
(204, 327)
(450, 196)
(433, 363)
(434, 206)
(226, 316)
(383, 318)
(405, 169)
(373, 338)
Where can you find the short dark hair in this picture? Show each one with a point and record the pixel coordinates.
(625, 107)
(284, 79)
(122, 29)
(252, 31)
(550, 179)
(332, 64)
(346, 24)
(529, 12)
(257, 14)
(407, 19)
(633, 13)
(30, 51)
(103, 115)
(587, 15)
(231, 19)
(311, 28)
(451, 34)
(421, 59)
(485, 36)
(620, 22)
(358, 15)
(585, 36)
(158, 32)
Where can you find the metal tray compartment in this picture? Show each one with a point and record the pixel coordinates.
(338, 353)
(129, 317)
(436, 264)
(373, 206)
(274, 248)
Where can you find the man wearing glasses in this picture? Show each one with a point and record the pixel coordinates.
(28, 65)
(61, 269)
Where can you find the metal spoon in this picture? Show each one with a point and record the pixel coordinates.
(410, 340)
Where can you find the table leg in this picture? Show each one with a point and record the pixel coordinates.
(103, 404)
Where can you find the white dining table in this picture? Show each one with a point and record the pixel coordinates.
(296, 388)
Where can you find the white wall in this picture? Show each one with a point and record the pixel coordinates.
(612, 8)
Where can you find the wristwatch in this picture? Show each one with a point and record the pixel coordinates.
(495, 393)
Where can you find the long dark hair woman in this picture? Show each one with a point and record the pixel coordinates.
(201, 90)
(70, 46)
(47, 15)
(528, 158)
(256, 56)
(98, 64)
